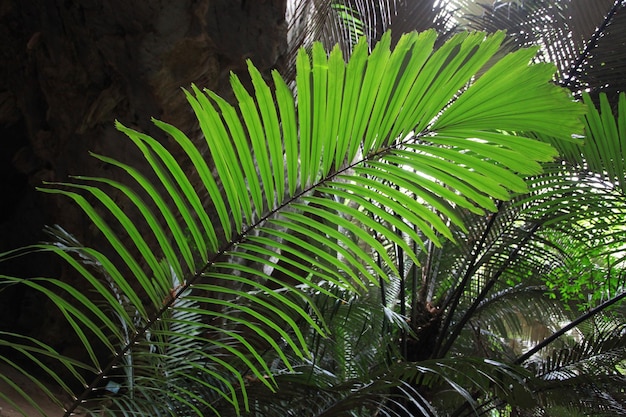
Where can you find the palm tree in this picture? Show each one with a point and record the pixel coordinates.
(486, 274)
(328, 283)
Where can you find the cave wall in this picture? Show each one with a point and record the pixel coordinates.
(68, 69)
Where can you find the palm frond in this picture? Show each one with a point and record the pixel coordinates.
(585, 376)
(581, 214)
(292, 181)
(570, 32)
(508, 319)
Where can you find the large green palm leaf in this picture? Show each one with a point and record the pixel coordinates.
(361, 153)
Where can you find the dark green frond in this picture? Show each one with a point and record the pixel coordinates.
(586, 376)
(585, 39)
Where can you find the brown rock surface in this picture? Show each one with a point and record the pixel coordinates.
(68, 69)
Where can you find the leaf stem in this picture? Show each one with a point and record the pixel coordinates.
(458, 292)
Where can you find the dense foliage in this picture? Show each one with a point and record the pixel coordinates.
(404, 227)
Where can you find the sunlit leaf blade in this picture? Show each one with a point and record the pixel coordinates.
(304, 114)
(168, 171)
(224, 156)
(271, 125)
(165, 246)
(286, 108)
(258, 140)
(347, 142)
(204, 172)
(372, 82)
(336, 82)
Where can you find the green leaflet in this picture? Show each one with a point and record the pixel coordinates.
(224, 156)
(257, 135)
(605, 140)
(377, 214)
(261, 315)
(415, 58)
(203, 170)
(347, 141)
(115, 242)
(149, 257)
(166, 213)
(286, 107)
(330, 135)
(39, 353)
(370, 90)
(303, 76)
(36, 382)
(184, 196)
(356, 222)
(277, 297)
(151, 219)
(347, 250)
(275, 168)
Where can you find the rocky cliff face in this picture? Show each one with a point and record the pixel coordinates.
(68, 69)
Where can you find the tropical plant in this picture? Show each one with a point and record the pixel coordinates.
(360, 276)
(564, 240)
(306, 196)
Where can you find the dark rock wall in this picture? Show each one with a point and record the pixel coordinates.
(68, 69)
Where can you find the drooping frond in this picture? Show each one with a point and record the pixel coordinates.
(510, 320)
(586, 376)
(581, 214)
(501, 275)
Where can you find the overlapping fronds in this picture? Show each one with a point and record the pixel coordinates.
(581, 378)
(520, 314)
(361, 338)
(597, 354)
(586, 375)
(194, 299)
(492, 284)
(582, 214)
(576, 35)
(456, 381)
(344, 22)
(426, 388)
